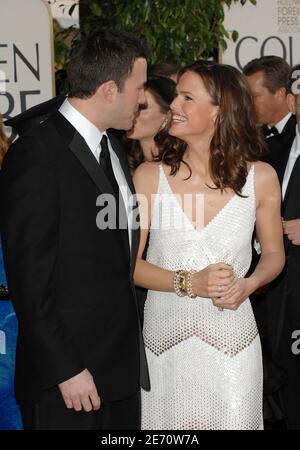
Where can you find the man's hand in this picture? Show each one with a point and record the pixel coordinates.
(292, 229)
(80, 392)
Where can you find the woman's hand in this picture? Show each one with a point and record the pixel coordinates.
(235, 295)
(212, 281)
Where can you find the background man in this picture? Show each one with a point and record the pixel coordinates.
(267, 77)
(283, 305)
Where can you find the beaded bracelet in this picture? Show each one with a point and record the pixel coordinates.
(179, 282)
(182, 282)
(189, 284)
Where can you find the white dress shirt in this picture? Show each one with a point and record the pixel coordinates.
(294, 153)
(92, 136)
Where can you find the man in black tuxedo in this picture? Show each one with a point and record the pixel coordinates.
(80, 357)
(267, 78)
(283, 301)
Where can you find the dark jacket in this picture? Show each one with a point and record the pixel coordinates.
(71, 283)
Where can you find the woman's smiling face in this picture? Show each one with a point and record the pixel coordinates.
(192, 110)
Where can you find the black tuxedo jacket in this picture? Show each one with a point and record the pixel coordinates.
(71, 283)
(279, 147)
(283, 296)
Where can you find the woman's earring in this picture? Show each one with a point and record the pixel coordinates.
(164, 124)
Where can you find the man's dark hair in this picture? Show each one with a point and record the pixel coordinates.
(292, 78)
(103, 56)
(275, 69)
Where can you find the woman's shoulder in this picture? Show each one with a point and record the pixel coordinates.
(265, 180)
(147, 167)
(264, 172)
(146, 177)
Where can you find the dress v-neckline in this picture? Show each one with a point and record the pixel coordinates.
(214, 218)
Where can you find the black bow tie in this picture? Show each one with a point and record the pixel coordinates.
(105, 162)
(268, 131)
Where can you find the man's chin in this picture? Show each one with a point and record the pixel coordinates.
(121, 128)
(128, 127)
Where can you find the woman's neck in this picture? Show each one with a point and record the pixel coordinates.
(198, 155)
(149, 148)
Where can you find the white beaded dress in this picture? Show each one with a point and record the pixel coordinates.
(205, 365)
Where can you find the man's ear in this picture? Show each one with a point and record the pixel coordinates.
(108, 91)
(281, 94)
(290, 98)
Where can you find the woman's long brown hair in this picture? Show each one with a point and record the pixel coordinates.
(236, 140)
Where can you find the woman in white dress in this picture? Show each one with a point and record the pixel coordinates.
(200, 202)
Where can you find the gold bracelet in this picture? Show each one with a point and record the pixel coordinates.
(189, 284)
(179, 282)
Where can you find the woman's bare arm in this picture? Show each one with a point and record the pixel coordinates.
(270, 235)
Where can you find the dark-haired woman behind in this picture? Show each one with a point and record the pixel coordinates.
(204, 196)
(149, 133)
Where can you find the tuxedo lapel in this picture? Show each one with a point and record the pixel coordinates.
(291, 199)
(286, 139)
(280, 146)
(290, 125)
(83, 153)
(81, 150)
(291, 204)
(284, 157)
(120, 152)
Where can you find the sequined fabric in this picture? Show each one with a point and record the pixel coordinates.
(205, 364)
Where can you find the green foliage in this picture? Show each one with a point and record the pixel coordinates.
(180, 31)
